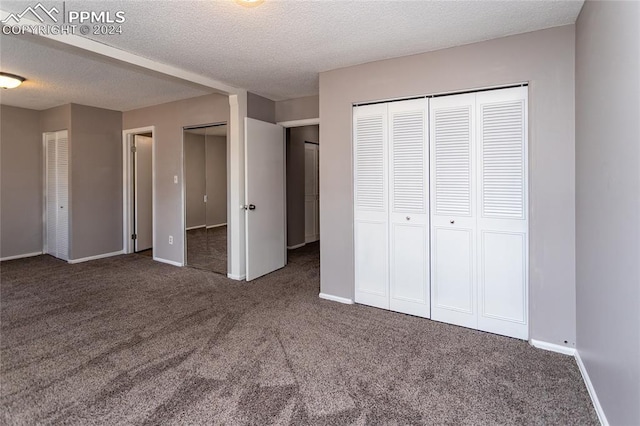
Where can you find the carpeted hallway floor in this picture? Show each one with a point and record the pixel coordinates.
(126, 340)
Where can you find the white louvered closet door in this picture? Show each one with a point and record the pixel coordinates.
(453, 221)
(502, 216)
(409, 207)
(371, 220)
(57, 194)
(51, 195)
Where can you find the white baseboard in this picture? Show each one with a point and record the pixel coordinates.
(592, 391)
(191, 228)
(96, 257)
(585, 375)
(552, 347)
(21, 256)
(336, 298)
(216, 226)
(296, 246)
(237, 277)
(168, 262)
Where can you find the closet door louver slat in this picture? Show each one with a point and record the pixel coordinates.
(370, 191)
(503, 160)
(452, 151)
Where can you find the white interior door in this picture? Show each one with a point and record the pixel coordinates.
(265, 197)
(311, 193)
(409, 207)
(57, 194)
(453, 221)
(371, 213)
(143, 193)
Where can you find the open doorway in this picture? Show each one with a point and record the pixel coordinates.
(303, 196)
(138, 191)
(205, 180)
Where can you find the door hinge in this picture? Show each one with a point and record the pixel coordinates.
(134, 236)
(133, 148)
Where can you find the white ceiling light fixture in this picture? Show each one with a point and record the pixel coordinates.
(10, 81)
(249, 3)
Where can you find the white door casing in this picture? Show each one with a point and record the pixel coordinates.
(265, 185)
(311, 194)
(143, 197)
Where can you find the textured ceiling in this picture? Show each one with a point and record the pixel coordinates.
(60, 75)
(278, 48)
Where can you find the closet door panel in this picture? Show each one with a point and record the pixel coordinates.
(409, 207)
(57, 194)
(62, 225)
(371, 224)
(409, 277)
(372, 263)
(503, 205)
(453, 223)
(502, 263)
(453, 276)
(51, 244)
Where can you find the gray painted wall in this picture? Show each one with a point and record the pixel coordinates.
(261, 108)
(169, 119)
(96, 181)
(21, 180)
(57, 118)
(608, 204)
(296, 137)
(195, 179)
(95, 176)
(546, 60)
(216, 180)
(298, 109)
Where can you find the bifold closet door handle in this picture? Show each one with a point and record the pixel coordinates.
(452, 221)
(252, 207)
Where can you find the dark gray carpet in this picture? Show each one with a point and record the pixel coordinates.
(126, 340)
(207, 249)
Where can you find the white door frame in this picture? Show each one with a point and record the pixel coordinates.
(127, 179)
